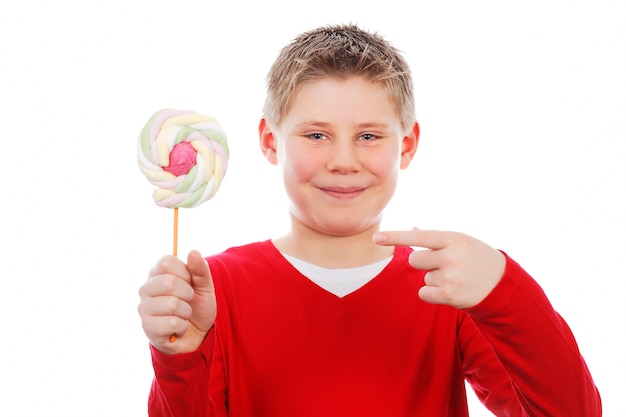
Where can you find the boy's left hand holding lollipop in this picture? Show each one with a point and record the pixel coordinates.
(178, 299)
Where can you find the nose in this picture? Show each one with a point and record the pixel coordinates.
(343, 157)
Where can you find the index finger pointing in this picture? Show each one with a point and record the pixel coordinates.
(431, 239)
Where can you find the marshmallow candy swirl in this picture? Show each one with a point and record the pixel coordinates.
(185, 155)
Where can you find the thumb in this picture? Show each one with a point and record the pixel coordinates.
(201, 279)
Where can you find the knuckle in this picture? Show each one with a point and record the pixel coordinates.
(168, 283)
(167, 262)
(173, 304)
(448, 293)
(172, 323)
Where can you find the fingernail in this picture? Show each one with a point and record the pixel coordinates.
(379, 238)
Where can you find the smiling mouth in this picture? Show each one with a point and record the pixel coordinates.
(342, 192)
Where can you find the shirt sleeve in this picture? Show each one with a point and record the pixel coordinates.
(182, 382)
(536, 349)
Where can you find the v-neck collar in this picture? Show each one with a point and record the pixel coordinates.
(370, 286)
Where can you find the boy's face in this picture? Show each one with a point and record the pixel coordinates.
(339, 147)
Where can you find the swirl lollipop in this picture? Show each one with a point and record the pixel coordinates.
(185, 155)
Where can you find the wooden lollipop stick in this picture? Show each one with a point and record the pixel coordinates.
(175, 252)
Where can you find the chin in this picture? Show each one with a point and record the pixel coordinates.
(345, 229)
(339, 223)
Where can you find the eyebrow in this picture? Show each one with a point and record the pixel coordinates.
(360, 125)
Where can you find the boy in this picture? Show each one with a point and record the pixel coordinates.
(337, 318)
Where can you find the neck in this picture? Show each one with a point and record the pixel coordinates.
(330, 251)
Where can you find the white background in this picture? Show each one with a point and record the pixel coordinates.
(523, 114)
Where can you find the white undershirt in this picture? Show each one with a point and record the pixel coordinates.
(339, 281)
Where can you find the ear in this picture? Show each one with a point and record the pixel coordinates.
(267, 142)
(409, 146)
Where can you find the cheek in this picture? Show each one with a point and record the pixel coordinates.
(384, 166)
(297, 164)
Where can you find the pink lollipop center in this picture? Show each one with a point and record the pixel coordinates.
(182, 159)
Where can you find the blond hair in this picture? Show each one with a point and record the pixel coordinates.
(339, 51)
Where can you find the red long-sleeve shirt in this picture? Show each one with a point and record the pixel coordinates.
(282, 347)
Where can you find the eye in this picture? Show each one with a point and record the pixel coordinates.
(316, 136)
(368, 137)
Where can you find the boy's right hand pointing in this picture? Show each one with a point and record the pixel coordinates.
(178, 299)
